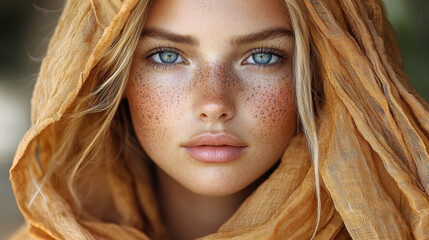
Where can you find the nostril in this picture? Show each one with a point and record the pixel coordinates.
(223, 116)
(214, 111)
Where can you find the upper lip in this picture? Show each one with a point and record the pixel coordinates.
(215, 139)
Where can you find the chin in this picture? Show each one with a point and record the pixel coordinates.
(218, 191)
(217, 185)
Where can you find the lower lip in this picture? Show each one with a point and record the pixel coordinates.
(215, 154)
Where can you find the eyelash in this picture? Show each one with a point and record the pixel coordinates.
(157, 50)
(282, 57)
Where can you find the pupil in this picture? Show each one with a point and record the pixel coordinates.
(262, 58)
(168, 57)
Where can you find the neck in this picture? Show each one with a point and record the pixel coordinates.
(188, 215)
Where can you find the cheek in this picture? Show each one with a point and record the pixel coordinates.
(153, 107)
(272, 108)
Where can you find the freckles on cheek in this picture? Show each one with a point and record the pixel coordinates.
(273, 106)
(152, 105)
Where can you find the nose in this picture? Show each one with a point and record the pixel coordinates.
(213, 99)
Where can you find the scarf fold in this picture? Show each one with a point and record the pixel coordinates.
(373, 131)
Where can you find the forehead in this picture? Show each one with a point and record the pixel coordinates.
(217, 18)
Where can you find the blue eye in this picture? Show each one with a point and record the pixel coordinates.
(262, 58)
(167, 57)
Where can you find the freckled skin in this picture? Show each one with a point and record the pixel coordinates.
(213, 91)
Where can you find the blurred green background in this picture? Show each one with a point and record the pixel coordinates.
(26, 28)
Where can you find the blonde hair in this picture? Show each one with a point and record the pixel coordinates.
(98, 110)
(303, 76)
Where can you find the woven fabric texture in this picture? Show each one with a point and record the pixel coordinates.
(373, 131)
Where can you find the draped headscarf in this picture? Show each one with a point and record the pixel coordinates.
(373, 132)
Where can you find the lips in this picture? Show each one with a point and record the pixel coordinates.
(215, 148)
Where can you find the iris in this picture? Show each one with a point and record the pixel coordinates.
(262, 58)
(168, 57)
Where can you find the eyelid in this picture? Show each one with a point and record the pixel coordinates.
(148, 57)
(280, 54)
(156, 50)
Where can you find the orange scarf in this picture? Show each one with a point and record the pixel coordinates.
(373, 135)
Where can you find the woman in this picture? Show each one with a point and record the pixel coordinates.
(185, 119)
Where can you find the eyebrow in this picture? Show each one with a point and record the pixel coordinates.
(271, 33)
(170, 36)
(267, 34)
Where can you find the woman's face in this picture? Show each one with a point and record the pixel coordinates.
(211, 93)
